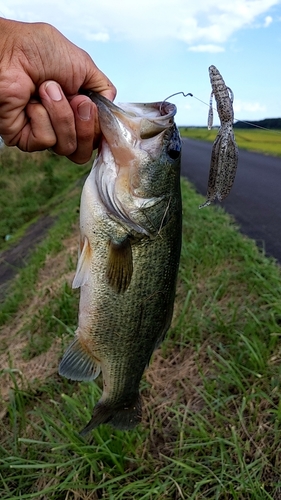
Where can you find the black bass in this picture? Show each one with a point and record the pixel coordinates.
(130, 226)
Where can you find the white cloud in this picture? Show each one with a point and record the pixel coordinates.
(268, 20)
(206, 48)
(97, 37)
(249, 107)
(206, 22)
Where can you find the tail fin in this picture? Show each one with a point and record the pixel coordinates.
(123, 418)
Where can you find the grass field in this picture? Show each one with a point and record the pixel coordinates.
(262, 141)
(31, 185)
(212, 414)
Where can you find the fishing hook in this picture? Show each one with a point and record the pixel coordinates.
(172, 95)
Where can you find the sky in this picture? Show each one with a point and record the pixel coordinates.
(151, 49)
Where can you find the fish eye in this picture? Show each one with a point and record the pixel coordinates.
(174, 153)
(174, 145)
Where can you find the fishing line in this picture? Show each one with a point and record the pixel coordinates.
(242, 121)
(235, 119)
(258, 126)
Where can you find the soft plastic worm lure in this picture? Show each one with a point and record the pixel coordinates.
(224, 158)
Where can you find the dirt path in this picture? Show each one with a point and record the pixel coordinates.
(15, 257)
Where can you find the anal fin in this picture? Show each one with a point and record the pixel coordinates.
(120, 264)
(78, 364)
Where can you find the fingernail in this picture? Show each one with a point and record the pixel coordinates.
(53, 91)
(84, 110)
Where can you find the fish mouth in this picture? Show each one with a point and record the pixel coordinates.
(153, 117)
(131, 123)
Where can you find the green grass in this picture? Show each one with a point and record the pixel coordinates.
(51, 322)
(22, 287)
(212, 414)
(262, 141)
(30, 186)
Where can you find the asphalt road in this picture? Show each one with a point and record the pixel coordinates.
(255, 199)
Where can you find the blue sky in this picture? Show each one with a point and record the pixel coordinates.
(153, 48)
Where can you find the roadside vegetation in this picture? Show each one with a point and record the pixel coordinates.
(211, 396)
(261, 141)
(31, 185)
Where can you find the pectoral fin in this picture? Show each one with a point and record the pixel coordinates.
(83, 265)
(120, 264)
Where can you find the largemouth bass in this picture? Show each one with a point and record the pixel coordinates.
(130, 225)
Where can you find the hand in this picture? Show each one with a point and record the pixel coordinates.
(40, 76)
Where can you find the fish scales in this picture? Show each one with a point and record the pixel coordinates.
(143, 305)
(129, 256)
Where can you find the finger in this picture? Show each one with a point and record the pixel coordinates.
(15, 91)
(87, 128)
(31, 129)
(61, 117)
(38, 133)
